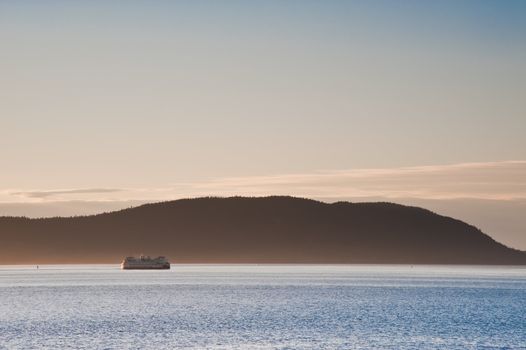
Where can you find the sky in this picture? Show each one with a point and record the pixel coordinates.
(109, 104)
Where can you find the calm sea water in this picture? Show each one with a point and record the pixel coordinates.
(263, 307)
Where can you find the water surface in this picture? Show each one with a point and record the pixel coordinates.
(263, 307)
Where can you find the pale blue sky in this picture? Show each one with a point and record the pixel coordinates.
(153, 94)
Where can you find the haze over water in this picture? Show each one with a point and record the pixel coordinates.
(263, 307)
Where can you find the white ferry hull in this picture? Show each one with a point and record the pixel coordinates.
(145, 267)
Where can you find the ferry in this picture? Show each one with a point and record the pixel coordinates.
(145, 262)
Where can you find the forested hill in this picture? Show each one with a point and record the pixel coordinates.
(254, 230)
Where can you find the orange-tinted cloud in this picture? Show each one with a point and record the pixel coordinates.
(504, 180)
(489, 180)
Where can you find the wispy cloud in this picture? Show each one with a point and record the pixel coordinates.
(504, 180)
(54, 193)
(490, 180)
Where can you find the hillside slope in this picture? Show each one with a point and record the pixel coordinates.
(257, 230)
